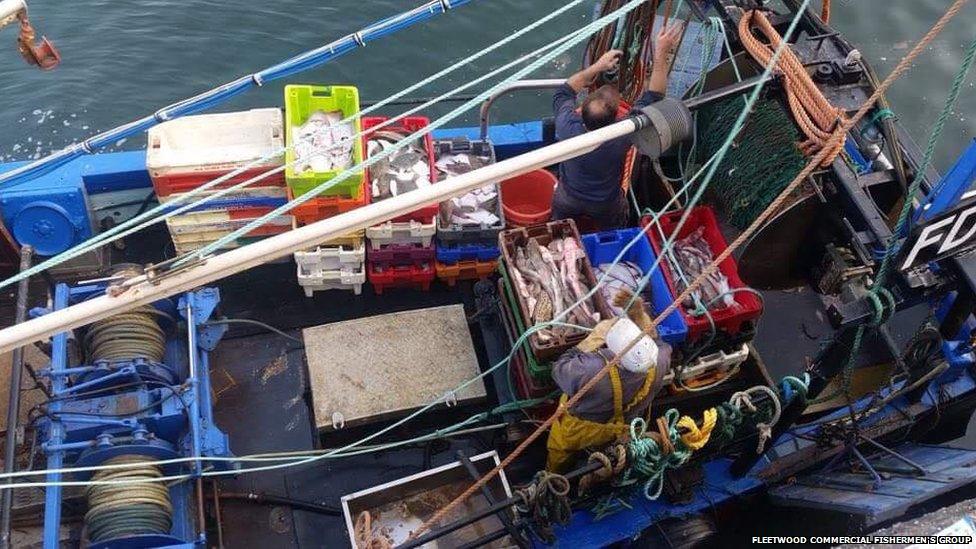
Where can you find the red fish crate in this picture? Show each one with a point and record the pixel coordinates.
(166, 185)
(409, 124)
(401, 276)
(393, 255)
(323, 207)
(731, 320)
(511, 240)
(464, 270)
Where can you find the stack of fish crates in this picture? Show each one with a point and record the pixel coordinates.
(400, 251)
(467, 226)
(184, 154)
(319, 149)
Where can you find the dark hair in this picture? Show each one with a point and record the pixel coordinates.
(600, 107)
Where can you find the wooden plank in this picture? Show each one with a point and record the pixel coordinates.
(376, 367)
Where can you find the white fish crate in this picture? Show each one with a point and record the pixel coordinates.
(334, 279)
(189, 247)
(238, 195)
(401, 232)
(216, 142)
(217, 222)
(326, 258)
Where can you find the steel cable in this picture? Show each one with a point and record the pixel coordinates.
(128, 509)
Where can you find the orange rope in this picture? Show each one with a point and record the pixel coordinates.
(812, 111)
(825, 11)
(838, 136)
(629, 162)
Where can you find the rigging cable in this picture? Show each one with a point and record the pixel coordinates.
(838, 136)
(165, 211)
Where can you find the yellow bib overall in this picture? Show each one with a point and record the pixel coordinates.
(570, 434)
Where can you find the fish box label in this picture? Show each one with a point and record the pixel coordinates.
(943, 236)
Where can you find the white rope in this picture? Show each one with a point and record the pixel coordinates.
(427, 407)
(158, 213)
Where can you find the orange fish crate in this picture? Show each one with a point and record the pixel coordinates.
(322, 207)
(465, 270)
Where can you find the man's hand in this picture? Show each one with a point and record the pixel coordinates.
(664, 47)
(607, 62)
(587, 76)
(667, 42)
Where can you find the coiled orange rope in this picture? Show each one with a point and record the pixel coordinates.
(813, 113)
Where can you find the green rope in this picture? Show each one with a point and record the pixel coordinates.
(877, 288)
(647, 460)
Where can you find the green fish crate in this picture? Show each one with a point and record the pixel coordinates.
(300, 102)
(540, 371)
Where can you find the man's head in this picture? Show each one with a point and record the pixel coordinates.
(600, 107)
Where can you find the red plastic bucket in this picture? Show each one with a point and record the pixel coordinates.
(527, 198)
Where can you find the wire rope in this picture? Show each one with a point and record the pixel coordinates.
(165, 211)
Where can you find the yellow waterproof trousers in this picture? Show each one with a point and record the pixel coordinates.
(570, 434)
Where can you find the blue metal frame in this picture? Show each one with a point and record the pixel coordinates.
(180, 425)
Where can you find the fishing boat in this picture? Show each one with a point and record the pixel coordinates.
(322, 323)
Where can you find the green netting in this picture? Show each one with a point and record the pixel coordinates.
(762, 161)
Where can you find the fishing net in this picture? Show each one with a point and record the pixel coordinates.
(763, 158)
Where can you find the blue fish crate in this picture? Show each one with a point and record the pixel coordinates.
(450, 253)
(604, 247)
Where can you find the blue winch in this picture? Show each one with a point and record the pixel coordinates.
(139, 395)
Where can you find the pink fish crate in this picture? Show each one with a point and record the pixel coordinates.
(393, 255)
(408, 124)
(509, 241)
(185, 153)
(400, 276)
(732, 319)
(465, 270)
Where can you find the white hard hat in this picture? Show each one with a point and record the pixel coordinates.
(642, 356)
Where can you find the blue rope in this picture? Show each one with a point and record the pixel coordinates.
(577, 37)
(226, 91)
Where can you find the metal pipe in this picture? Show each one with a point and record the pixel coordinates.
(145, 289)
(142, 290)
(13, 402)
(540, 84)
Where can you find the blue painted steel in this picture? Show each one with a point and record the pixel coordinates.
(604, 247)
(951, 188)
(87, 426)
(226, 91)
(55, 459)
(52, 215)
(450, 254)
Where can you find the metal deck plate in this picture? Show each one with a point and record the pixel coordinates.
(946, 468)
(374, 367)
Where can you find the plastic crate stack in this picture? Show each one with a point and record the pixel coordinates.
(337, 264)
(733, 325)
(467, 249)
(401, 251)
(186, 153)
(530, 370)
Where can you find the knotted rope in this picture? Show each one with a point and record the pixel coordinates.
(813, 113)
(546, 499)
